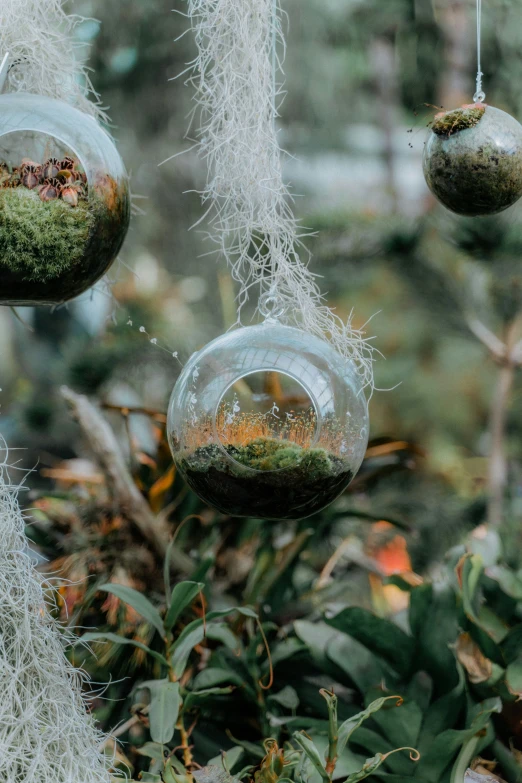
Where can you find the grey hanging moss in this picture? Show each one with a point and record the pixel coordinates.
(473, 160)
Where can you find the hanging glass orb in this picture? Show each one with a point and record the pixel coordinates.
(64, 201)
(473, 160)
(268, 422)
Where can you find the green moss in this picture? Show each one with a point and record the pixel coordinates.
(39, 240)
(457, 120)
(271, 454)
(286, 481)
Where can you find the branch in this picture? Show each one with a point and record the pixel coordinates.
(124, 491)
(493, 343)
(497, 469)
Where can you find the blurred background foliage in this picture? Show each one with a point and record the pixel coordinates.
(363, 80)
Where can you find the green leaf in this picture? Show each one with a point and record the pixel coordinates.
(175, 772)
(220, 632)
(364, 669)
(232, 757)
(317, 637)
(400, 725)
(138, 602)
(194, 633)
(352, 724)
(194, 697)
(183, 594)
(287, 697)
(512, 644)
(312, 753)
(464, 759)
(250, 747)
(441, 752)
(514, 677)
(164, 709)
(117, 639)
(213, 676)
(148, 777)
(434, 624)
(381, 636)
(443, 713)
(471, 573)
(509, 581)
(152, 750)
(369, 768)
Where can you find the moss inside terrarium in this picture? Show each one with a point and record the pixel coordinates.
(41, 239)
(473, 160)
(460, 119)
(266, 477)
(59, 233)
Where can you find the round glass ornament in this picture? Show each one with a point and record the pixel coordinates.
(268, 421)
(473, 160)
(64, 200)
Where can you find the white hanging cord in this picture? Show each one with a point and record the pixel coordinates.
(480, 95)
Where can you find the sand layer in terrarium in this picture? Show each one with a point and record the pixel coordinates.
(266, 478)
(473, 160)
(58, 234)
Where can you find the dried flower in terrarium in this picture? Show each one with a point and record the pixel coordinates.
(473, 160)
(50, 189)
(51, 168)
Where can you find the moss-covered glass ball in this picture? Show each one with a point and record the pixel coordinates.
(268, 422)
(64, 201)
(473, 160)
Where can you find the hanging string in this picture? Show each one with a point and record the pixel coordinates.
(480, 95)
(269, 301)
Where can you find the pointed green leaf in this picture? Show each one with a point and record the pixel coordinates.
(232, 757)
(182, 597)
(212, 676)
(368, 769)
(352, 724)
(117, 639)
(194, 633)
(312, 753)
(138, 602)
(381, 636)
(287, 697)
(152, 750)
(164, 709)
(194, 697)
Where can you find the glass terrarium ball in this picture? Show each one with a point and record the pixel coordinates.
(473, 160)
(268, 422)
(64, 200)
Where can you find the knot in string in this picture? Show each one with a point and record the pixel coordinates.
(480, 95)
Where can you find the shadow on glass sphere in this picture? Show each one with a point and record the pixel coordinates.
(473, 160)
(64, 201)
(268, 422)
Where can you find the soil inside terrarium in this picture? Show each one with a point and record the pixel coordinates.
(58, 234)
(266, 478)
